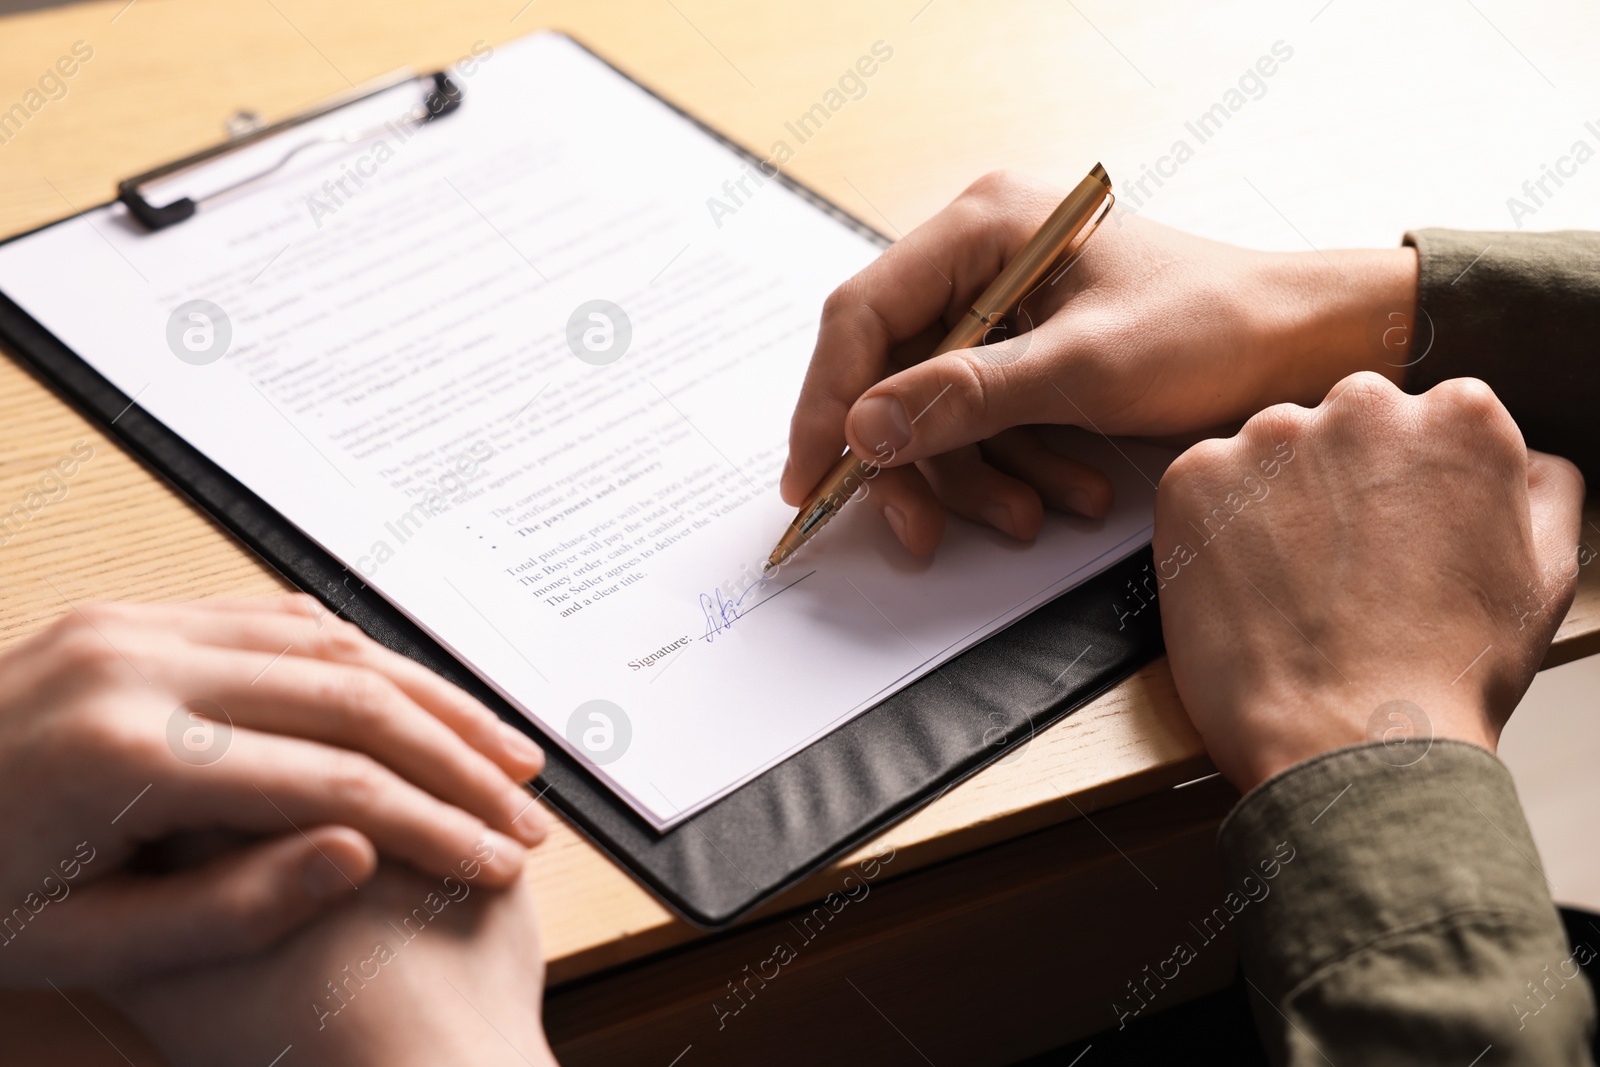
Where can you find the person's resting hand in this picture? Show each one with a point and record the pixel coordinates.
(143, 831)
(1381, 567)
(412, 970)
(1151, 332)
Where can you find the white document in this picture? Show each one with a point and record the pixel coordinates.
(398, 349)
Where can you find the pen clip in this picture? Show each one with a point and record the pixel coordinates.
(1071, 254)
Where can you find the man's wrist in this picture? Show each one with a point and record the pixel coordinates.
(1271, 737)
(1327, 315)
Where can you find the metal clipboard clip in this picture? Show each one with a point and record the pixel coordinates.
(441, 97)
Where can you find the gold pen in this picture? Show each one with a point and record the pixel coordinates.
(1031, 266)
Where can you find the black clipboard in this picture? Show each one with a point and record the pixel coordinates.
(828, 799)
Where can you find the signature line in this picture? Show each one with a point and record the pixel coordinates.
(779, 593)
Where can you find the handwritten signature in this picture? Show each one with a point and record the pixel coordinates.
(721, 612)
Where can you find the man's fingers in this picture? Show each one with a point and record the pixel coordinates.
(238, 903)
(1555, 502)
(363, 711)
(923, 281)
(265, 783)
(974, 490)
(297, 627)
(952, 400)
(910, 507)
(303, 604)
(1064, 484)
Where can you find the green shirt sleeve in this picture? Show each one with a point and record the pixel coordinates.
(1522, 312)
(1393, 911)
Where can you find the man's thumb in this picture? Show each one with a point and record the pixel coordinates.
(946, 402)
(1555, 503)
(238, 903)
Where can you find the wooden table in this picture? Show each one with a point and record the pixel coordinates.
(1014, 907)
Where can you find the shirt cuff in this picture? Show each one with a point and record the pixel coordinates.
(1520, 311)
(1362, 843)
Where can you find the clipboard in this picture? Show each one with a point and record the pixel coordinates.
(441, 98)
(834, 795)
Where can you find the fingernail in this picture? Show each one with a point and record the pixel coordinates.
(897, 521)
(880, 420)
(323, 880)
(519, 748)
(1080, 501)
(508, 854)
(526, 819)
(999, 516)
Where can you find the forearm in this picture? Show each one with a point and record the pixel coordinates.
(1410, 922)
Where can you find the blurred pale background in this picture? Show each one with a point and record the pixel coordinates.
(1552, 745)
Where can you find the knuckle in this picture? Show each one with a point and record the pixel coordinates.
(366, 698)
(838, 302)
(105, 734)
(1560, 471)
(1472, 398)
(968, 389)
(1471, 406)
(849, 315)
(84, 650)
(1468, 395)
(355, 782)
(844, 302)
(1363, 391)
(1569, 473)
(109, 740)
(301, 604)
(338, 639)
(994, 185)
(1197, 463)
(1288, 423)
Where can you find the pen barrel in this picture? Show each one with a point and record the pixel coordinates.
(968, 333)
(1033, 262)
(841, 483)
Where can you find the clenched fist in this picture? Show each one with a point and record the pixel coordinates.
(1378, 563)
